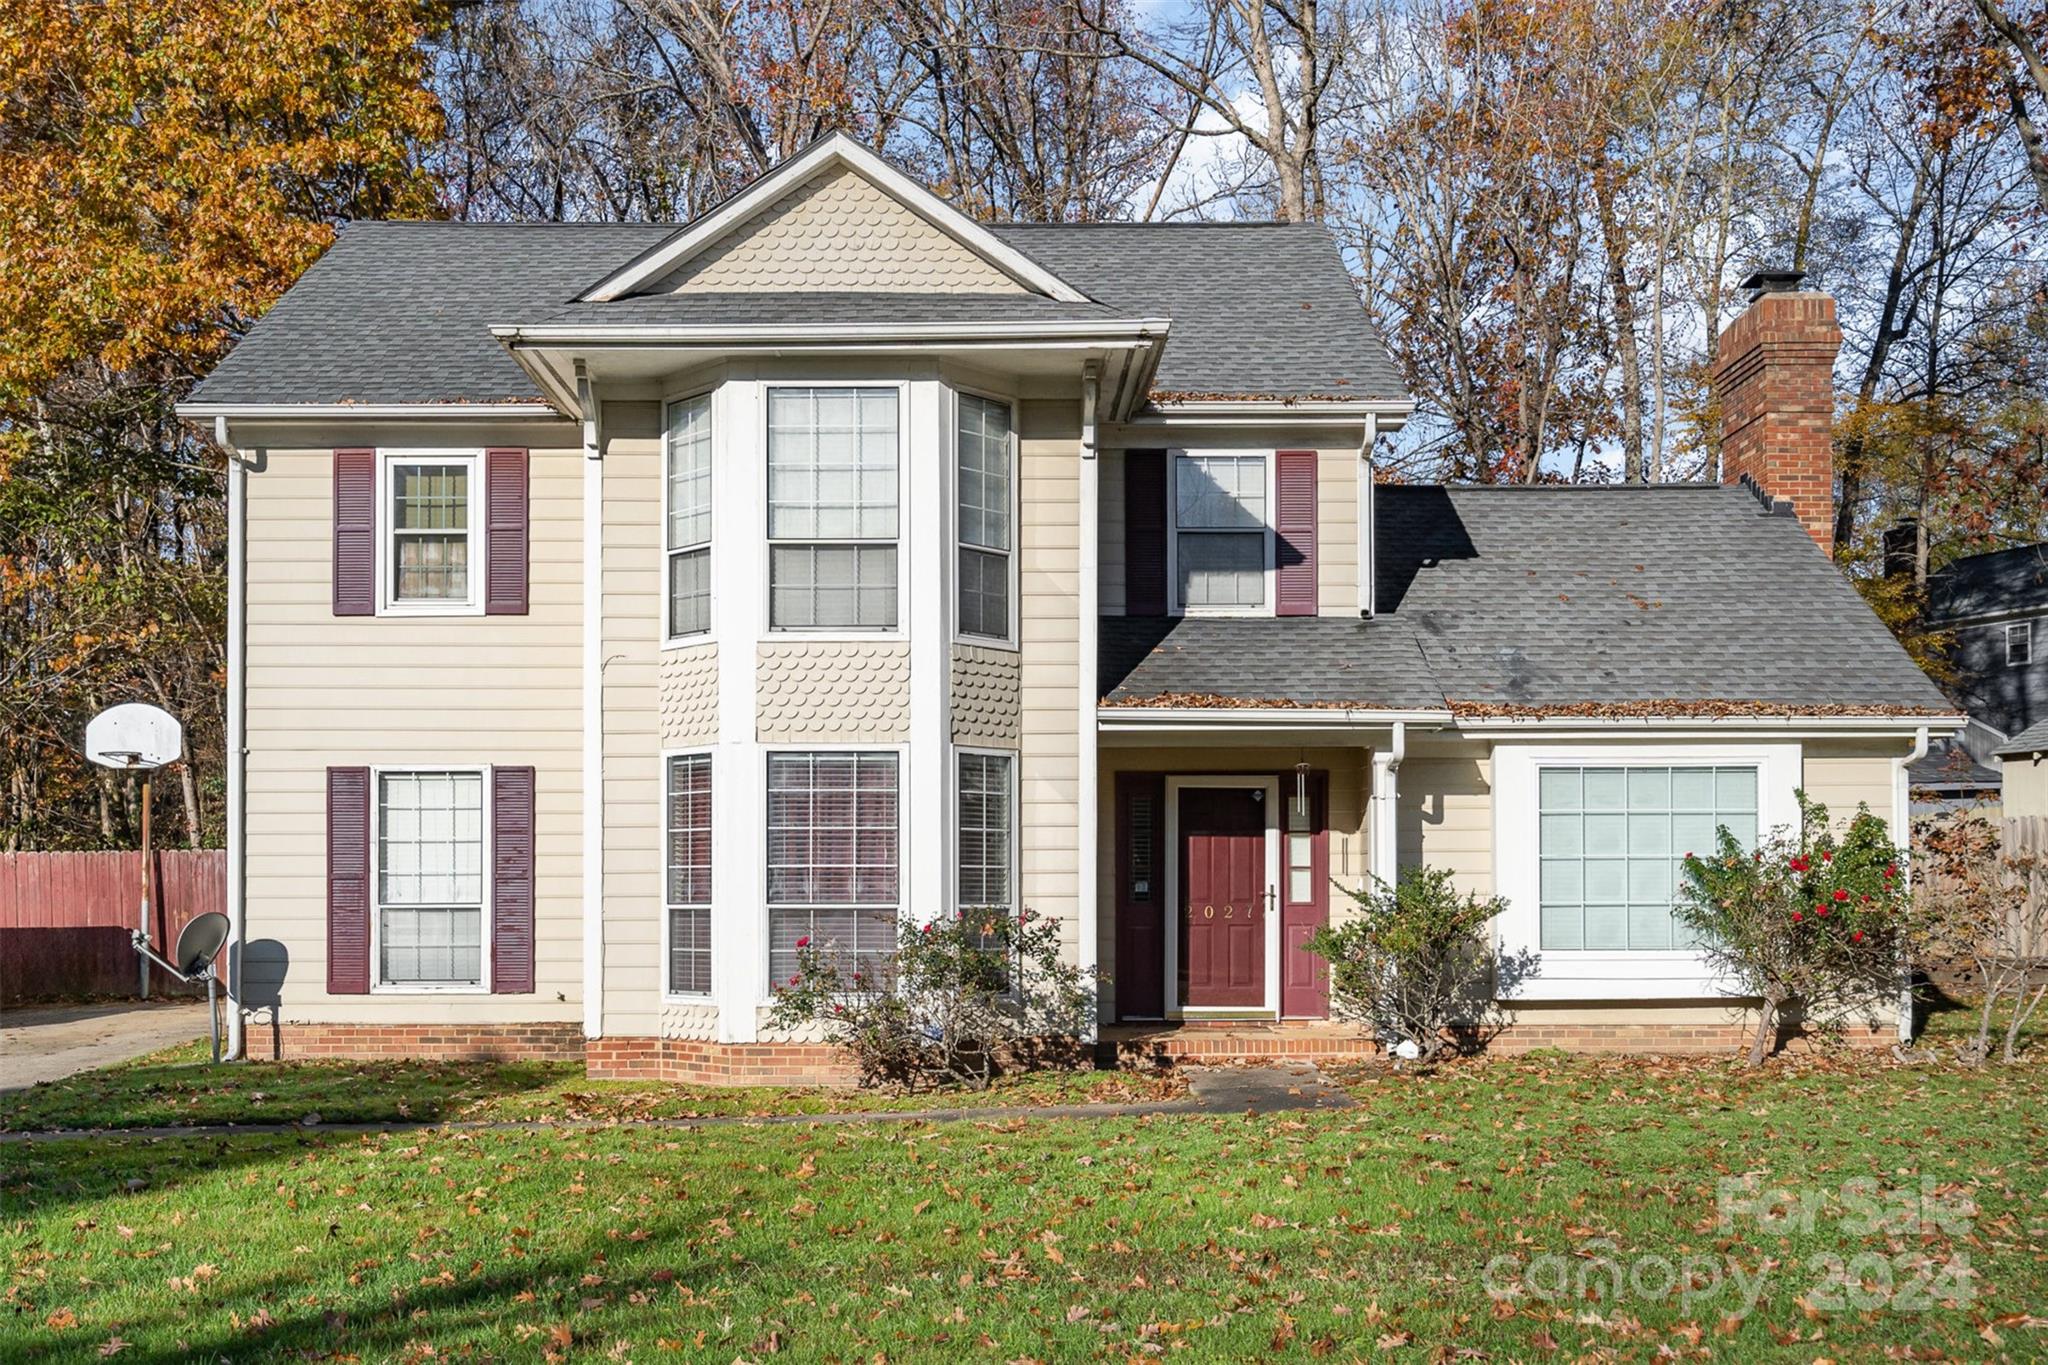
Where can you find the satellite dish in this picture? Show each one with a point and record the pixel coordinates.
(134, 735)
(199, 942)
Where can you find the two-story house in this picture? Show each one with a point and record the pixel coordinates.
(616, 605)
(1994, 609)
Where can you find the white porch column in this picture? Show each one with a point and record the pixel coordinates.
(739, 779)
(1386, 815)
(925, 587)
(593, 705)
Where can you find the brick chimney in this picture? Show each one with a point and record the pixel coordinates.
(1775, 373)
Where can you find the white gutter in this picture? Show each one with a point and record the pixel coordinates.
(322, 412)
(1386, 825)
(237, 754)
(1606, 726)
(839, 333)
(1087, 697)
(1224, 718)
(593, 710)
(1392, 413)
(1902, 836)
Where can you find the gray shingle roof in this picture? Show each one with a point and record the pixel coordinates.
(401, 312)
(1298, 661)
(1981, 585)
(1948, 765)
(1558, 600)
(2032, 740)
(1552, 597)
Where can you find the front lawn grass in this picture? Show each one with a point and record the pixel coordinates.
(1342, 1235)
(177, 1088)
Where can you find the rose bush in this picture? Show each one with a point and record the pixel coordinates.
(957, 1001)
(1811, 925)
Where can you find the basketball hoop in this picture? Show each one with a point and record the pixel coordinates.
(140, 738)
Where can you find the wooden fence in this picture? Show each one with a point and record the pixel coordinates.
(65, 919)
(2023, 841)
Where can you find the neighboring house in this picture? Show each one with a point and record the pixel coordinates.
(616, 605)
(2025, 760)
(1995, 609)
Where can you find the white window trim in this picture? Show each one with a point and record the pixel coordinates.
(1176, 607)
(2021, 632)
(953, 825)
(1012, 555)
(762, 754)
(668, 548)
(1270, 1007)
(479, 550)
(378, 986)
(1583, 974)
(710, 997)
(770, 632)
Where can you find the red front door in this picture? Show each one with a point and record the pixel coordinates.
(1222, 897)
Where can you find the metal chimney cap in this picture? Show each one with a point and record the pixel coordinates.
(1762, 282)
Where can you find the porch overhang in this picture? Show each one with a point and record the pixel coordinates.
(1260, 724)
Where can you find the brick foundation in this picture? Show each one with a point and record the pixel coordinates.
(427, 1042)
(703, 1063)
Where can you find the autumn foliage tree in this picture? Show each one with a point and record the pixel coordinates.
(166, 170)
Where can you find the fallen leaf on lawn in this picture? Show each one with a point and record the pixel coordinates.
(113, 1346)
(63, 1320)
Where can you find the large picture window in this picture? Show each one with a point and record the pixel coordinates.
(430, 878)
(985, 442)
(1220, 537)
(689, 516)
(689, 874)
(832, 508)
(430, 531)
(833, 854)
(1611, 842)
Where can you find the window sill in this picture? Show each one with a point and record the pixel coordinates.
(383, 989)
(400, 611)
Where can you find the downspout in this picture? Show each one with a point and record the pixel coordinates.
(1368, 550)
(1902, 835)
(236, 755)
(1087, 697)
(593, 708)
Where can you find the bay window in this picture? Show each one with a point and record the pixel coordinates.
(1611, 841)
(833, 855)
(1222, 547)
(688, 535)
(688, 893)
(985, 443)
(430, 878)
(832, 508)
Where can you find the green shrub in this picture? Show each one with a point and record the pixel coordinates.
(1416, 962)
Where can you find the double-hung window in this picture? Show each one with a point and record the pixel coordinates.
(431, 530)
(2019, 644)
(689, 874)
(832, 508)
(986, 441)
(1611, 843)
(689, 516)
(985, 879)
(430, 878)
(1222, 548)
(833, 855)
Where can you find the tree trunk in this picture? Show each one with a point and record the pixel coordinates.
(1625, 346)
(1766, 1029)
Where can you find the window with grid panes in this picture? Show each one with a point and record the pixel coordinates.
(832, 508)
(689, 516)
(985, 443)
(430, 878)
(430, 531)
(689, 874)
(833, 856)
(1220, 531)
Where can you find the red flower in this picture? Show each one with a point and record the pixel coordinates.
(1826, 856)
(929, 927)
(1891, 871)
(1841, 895)
(804, 942)
(839, 1009)
(794, 979)
(1821, 910)
(1688, 857)
(1866, 898)
(1798, 864)
(1796, 917)
(1856, 937)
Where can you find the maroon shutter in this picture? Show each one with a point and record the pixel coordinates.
(1145, 533)
(355, 533)
(511, 881)
(1294, 526)
(1140, 975)
(505, 521)
(348, 881)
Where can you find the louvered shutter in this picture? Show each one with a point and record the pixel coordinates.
(355, 533)
(1140, 976)
(1145, 532)
(1294, 525)
(511, 881)
(348, 881)
(505, 524)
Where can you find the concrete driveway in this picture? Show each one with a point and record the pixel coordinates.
(48, 1043)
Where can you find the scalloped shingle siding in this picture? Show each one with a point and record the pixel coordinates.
(987, 696)
(688, 688)
(837, 692)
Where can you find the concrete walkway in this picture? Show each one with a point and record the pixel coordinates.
(48, 1043)
(1216, 1090)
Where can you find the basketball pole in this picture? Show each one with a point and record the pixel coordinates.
(146, 879)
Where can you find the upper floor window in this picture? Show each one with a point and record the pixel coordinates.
(985, 441)
(832, 508)
(689, 516)
(1222, 545)
(433, 516)
(2019, 643)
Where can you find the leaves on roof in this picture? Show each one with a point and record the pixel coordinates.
(1686, 707)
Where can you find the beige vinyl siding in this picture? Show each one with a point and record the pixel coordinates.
(1841, 773)
(1350, 840)
(1049, 554)
(326, 691)
(832, 692)
(1337, 532)
(632, 588)
(2026, 787)
(838, 231)
(1445, 805)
